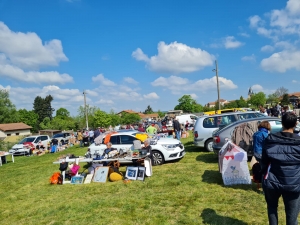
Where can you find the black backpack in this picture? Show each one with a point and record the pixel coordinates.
(256, 172)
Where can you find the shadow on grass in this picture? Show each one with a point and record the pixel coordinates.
(207, 158)
(212, 177)
(192, 148)
(210, 216)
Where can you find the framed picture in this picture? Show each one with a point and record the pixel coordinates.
(131, 172)
(100, 174)
(141, 173)
(77, 180)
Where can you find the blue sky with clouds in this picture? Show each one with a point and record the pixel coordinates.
(130, 54)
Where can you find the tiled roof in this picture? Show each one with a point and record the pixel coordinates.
(14, 126)
(295, 94)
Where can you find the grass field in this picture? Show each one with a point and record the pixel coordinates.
(189, 191)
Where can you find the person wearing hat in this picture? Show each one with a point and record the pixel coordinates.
(151, 129)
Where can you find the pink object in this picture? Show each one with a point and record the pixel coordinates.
(74, 169)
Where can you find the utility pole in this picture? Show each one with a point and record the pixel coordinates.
(86, 111)
(218, 87)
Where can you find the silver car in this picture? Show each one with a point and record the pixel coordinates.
(206, 125)
(222, 135)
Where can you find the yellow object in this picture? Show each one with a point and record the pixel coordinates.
(224, 111)
(141, 137)
(115, 177)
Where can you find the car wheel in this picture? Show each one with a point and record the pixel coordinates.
(208, 145)
(158, 158)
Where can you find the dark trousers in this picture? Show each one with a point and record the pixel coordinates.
(291, 204)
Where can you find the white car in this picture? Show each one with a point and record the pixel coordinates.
(164, 149)
(62, 138)
(20, 148)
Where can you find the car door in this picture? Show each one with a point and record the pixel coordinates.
(127, 141)
(36, 141)
(115, 141)
(44, 140)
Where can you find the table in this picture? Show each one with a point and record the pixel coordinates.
(6, 154)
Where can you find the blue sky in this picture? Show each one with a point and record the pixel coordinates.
(130, 54)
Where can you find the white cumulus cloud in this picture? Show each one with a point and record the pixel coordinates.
(249, 58)
(178, 84)
(267, 48)
(231, 42)
(130, 80)
(102, 80)
(151, 95)
(175, 58)
(282, 61)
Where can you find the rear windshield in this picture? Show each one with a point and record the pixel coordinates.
(58, 135)
(217, 121)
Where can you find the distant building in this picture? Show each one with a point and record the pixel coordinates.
(213, 104)
(14, 129)
(250, 93)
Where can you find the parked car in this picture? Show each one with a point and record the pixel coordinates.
(206, 125)
(21, 149)
(62, 138)
(191, 118)
(164, 149)
(222, 135)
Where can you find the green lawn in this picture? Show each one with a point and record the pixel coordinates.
(189, 191)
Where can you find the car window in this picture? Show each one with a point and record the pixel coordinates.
(115, 140)
(250, 115)
(209, 123)
(31, 139)
(44, 138)
(276, 126)
(58, 135)
(126, 139)
(37, 140)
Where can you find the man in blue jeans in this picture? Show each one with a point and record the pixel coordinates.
(281, 169)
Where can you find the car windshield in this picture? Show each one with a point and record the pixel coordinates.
(28, 139)
(58, 135)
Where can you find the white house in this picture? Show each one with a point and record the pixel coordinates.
(14, 129)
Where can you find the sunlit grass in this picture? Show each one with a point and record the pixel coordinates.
(189, 191)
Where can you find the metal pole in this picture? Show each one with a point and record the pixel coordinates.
(86, 111)
(218, 87)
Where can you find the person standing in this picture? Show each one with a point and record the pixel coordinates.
(259, 137)
(177, 128)
(281, 169)
(91, 136)
(97, 133)
(151, 130)
(80, 138)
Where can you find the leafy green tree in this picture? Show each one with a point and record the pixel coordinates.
(58, 123)
(42, 107)
(129, 118)
(148, 110)
(115, 119)
(258, 99)
(241, 103)
(102, 119)
(197, 108)
(63, 113)
(186, 103)
(28, 117)
(285, 99)
(160, 114)
(81, 116)
(231, 105)
(272, 98)
(8, 112)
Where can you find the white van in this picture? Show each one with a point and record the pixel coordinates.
(191, 118)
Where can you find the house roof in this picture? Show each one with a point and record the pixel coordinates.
(295, 94)
(14, 126)
(211, 103)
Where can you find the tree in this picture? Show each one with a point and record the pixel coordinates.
(63, 113)
(102, 119)
(258, 99)
(272, 98)
(198, 108)
(58, 123)
(28, 117)
(130, 118)
(285, 99)
(161, 114)
(148, 110)
(115, 119)
(241, 103)
(81, 117)
(186, 103)
(8, 112)
(280, 92)
(42, 107)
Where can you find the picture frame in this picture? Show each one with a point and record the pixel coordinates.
(131, 172)
(77, 180)
(141, 173)
(100, 174)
